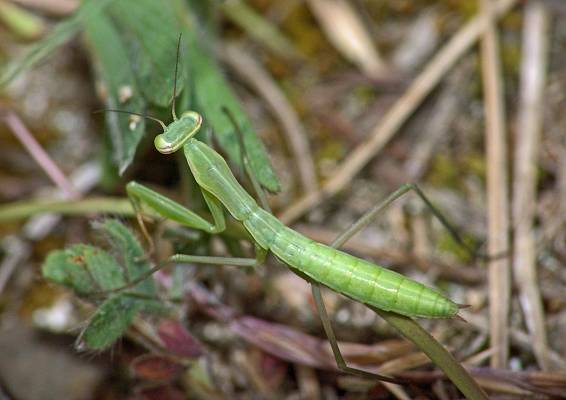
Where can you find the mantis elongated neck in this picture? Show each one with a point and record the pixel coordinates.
(213, 174)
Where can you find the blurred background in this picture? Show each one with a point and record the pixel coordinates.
(340, 103)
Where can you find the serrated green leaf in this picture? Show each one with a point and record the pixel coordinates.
(151, 31)
(83, 268)
(115, 69)
(110, 321)
(67, 268)
(89, 270)
(62, 32)
(124, 243)
(212, 94)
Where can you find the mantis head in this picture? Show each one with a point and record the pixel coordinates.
(181, 129)
(178, 132)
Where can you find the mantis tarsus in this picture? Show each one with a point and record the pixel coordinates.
(319, 264)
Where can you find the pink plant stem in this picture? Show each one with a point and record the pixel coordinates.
(40, 155)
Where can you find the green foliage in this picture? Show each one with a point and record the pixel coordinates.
(150, 30)
(85, 269)
(133, 44)
(212, 94)
(90, 271)
(114, 68)
(110, 321)
(128, 248)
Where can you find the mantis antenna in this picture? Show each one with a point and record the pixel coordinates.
(175, 81)
(173, 100)
(133, 113)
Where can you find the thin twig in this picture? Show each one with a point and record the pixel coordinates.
(497, 192)
(518, 337)
(533, 77)
(398, 114)
(39, 154)
(436, 129)
(263, 84)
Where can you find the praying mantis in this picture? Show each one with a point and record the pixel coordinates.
(319, 264)
(354, 277)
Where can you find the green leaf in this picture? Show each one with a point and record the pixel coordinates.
(83, 268)
(20, 21)
(151, 31)
(116, 71)
(135, 45)
(126, 245)
(89, 270)
(110, 321)
(62, 32)
(212, 94)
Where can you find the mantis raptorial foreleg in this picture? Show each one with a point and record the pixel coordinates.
(141, 195)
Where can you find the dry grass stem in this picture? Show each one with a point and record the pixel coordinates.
(497, 192)
(446, 107)
(308, 382)
(40, 155)
(403, 108)
(517, 337)
(529, 126)
(256, 76)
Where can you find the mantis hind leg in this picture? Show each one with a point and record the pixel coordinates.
(367, 218)
(340, 361)
(370, 215)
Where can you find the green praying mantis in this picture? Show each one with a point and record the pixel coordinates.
(319, 264)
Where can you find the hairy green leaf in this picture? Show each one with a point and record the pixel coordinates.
(126, 245)
(90, 271)
(85, 269)
(110, 321)
(123, 92)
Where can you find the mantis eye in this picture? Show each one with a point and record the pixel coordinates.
(192, 115)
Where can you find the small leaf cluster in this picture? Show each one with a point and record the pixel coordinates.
(92, 272)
